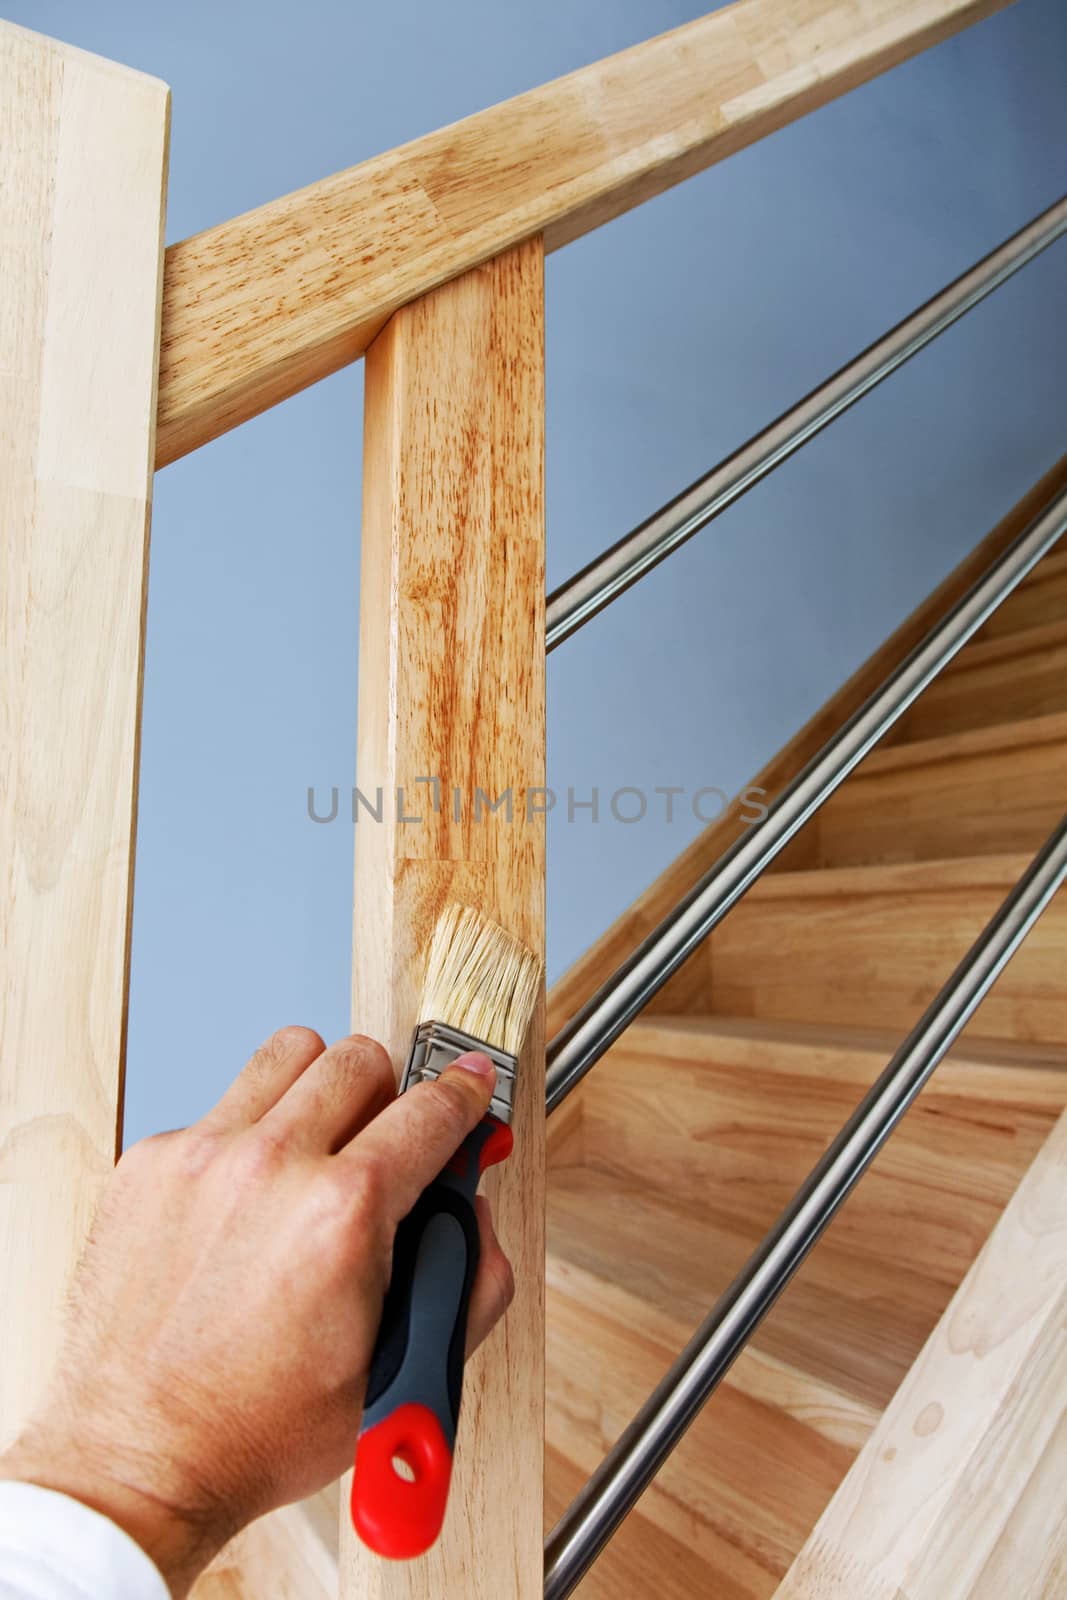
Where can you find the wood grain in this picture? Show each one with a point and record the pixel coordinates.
(83, 161)
(600, 960)
(451, 686)
(958, 1494)
(258, 307)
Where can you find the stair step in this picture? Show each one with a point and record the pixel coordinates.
(980, 792)
(1041, 598)
(871, 945)
(995, 680)
(680, 1150)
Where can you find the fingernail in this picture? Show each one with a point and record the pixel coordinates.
(477, 1063)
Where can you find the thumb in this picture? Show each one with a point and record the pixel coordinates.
(414, 1137)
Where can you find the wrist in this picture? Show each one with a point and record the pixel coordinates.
(179, 1542)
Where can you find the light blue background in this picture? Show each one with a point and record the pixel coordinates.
(673, 334)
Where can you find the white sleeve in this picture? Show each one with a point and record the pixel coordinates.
(55, 1548)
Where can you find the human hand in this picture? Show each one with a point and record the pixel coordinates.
(225, 1311)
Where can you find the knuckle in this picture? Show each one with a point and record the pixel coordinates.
(257, 1154)
(367, 1189)
(347, 1210)
(285, 1042)
(366, 1058)
(194, 1149)
(373, 1054)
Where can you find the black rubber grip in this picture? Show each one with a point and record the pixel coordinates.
(426, 1373)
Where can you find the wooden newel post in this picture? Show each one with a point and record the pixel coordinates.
(451, 731)
(83, 163)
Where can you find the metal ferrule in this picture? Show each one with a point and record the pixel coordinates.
(436, 1045)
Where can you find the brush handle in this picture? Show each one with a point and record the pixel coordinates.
(416, 1377)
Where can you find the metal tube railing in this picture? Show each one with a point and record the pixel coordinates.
(634, 1460)
(590, 590)
(615, 1005)
(600, 1021)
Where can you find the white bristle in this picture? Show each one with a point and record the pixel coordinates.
(480, 979)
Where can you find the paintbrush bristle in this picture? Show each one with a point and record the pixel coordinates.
(480, 979)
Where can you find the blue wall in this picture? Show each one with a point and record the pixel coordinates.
(673, 334)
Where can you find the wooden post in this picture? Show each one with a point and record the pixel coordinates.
(83, 160)
(451, 709)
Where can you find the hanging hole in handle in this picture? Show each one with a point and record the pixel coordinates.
(403, 1468)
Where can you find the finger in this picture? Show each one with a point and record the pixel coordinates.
(494, 1283)
(411, 1140)
(342, 1090)
(274, 1068)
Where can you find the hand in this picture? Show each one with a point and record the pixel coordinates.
(225, 1310)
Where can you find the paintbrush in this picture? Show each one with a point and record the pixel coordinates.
(479, 993)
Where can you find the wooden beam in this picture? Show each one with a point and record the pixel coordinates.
(83, 162)
(958, 1494)
(451, 687)
(263, 305)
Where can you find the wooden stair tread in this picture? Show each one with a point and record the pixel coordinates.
(995, 789)
(797, 1037)
(1040, 598)
(1024, 733)
(1026, 642)
(895, 877)
(873, 943)
(1014, 675)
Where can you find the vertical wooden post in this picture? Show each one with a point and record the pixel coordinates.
(451, 708)
(83, 160)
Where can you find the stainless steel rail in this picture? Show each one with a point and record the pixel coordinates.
(600, 1021)
(590, 1521)
(590, 590)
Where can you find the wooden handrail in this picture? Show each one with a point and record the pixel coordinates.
(259, 307)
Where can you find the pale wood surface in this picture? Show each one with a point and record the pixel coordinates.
(451, 686)
(580, 981)
(872, 945)
(958, 1494)
(283, 1556)
(263, 305)
(695, 1132)
(83, 159)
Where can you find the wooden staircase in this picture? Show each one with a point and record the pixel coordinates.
(674, 1157)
